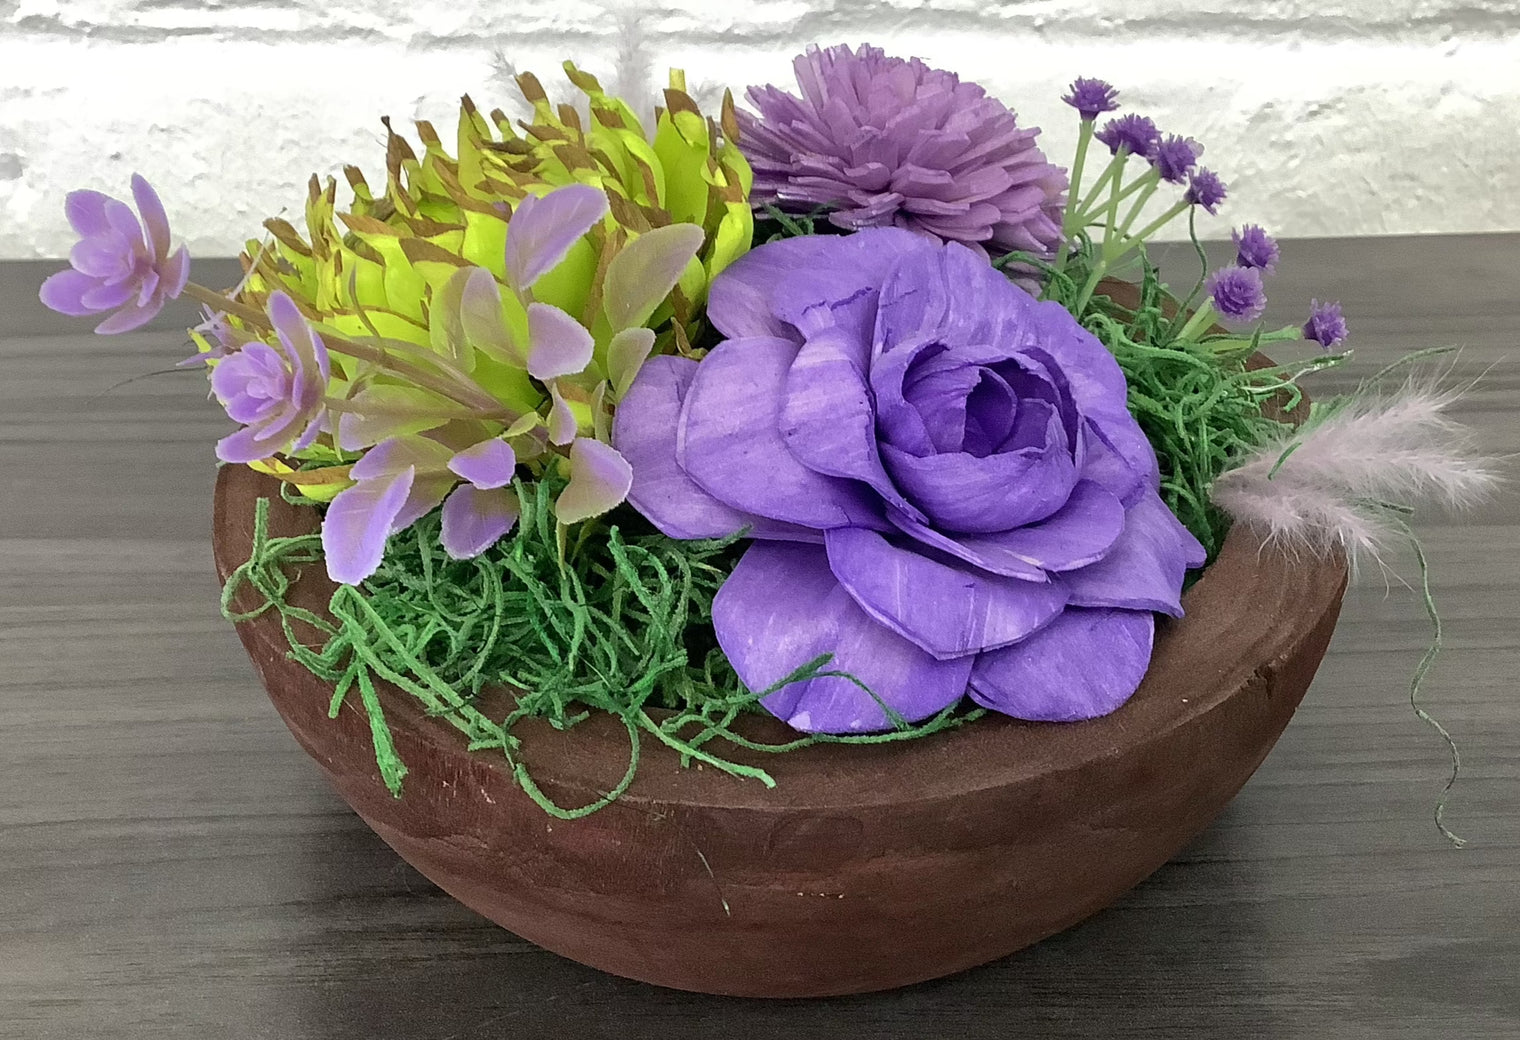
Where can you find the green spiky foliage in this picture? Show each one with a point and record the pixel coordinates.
(389, 270)
(375, 268)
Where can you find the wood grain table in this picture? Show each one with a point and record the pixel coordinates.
(172, 865)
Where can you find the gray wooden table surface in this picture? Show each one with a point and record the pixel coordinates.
(172, 865)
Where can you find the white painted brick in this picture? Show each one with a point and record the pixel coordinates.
(1325, 116)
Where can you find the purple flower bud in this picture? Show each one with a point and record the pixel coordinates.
(1136, 134)
(1325, 325)
(275, 391)
(1237, 294)
(119, 264)
(1176, 157)
(1091, 97)
(1255, 248)
(1205, 189)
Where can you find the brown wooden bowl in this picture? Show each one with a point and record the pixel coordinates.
(866, 867)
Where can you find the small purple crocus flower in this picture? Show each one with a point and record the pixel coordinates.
(1237, 294)
(1325, 326)
(1255, 248)
(890, 142)
(275, 391)
(1175, 158)
(119, 264)
(1205, 189)
(1091, 97)
(1135, 134)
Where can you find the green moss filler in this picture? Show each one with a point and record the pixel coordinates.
(621, 624)
(620, 620)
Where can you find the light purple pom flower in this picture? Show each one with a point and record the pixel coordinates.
(1091, 97)
(1136, 134)
(1205, 189)
(1255, 248)
(1325, 326)
(119, 264)
(1175, 158)
(891, 142)
(1237, 294)
(277, 391)
(944, 482)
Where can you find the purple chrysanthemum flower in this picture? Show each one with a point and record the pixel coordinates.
(119, 264)
(1237, 294)
(1205, 189)
(1325, 326)
(1255, 248)
(276, 392)
(891, 142)
(1136, 134)
(1175, 158)
(1091, 97)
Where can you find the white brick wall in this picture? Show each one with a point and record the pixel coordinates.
(1326, 117)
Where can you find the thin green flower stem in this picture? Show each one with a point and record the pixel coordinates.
(1161, 221)
(1150, 182)
(1202, 318)
(1069, 217)
(436, 375)
(216, 301)
(1113, 170)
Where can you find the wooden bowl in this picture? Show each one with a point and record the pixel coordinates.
(865, 867)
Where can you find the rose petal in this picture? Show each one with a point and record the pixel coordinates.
(358, 522)
(993, 559)
(644, 431)
(963, 493)
(542, 230)
(782, 608)
(489, 464)
(730, 442)
(1143, 569)
(558, 345)
(474, 519)
(1084, 664)
(599, 480)
(942, 606)
(1076, 535)
(827, 420)
(744, 300)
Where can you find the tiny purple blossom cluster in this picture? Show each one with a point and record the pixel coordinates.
(1237, 294)
(1091, 97)
(1325, 325)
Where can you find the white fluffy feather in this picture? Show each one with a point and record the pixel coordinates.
(1343, 480)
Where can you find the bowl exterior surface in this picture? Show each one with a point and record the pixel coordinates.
(866, 867)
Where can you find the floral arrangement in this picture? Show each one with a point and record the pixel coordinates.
(853, 409)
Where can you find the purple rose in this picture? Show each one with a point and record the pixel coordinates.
(945, 486)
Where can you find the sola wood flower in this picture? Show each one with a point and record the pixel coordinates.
(887, 141)
(945, 485)
(119, 264)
